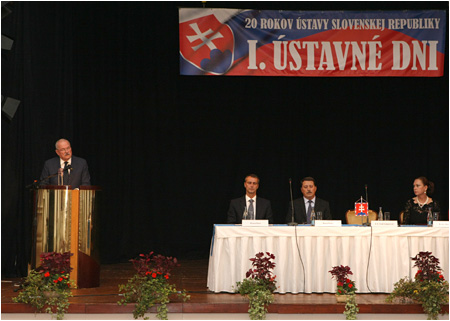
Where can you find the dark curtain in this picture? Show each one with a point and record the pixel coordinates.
(170, 151)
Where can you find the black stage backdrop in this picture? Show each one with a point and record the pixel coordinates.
(170, 151)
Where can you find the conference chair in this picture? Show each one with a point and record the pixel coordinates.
(356, 220)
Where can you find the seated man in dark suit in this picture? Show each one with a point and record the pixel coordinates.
(256, 207)
(303, 206)
(74, 169)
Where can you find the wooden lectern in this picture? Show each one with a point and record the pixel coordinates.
(67, 220)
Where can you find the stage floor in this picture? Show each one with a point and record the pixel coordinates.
(191, 276)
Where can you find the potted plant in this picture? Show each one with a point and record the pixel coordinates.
(428, 287)
(49, 286)
(259, 285)
(150, 285)
(345, 290)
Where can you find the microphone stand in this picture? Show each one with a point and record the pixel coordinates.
(292, 222)
(367, 223)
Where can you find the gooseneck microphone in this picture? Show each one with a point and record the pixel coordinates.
(292, 222)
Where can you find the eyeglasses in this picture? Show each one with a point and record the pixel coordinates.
(65, 149)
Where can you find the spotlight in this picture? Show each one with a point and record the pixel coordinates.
(9, 107)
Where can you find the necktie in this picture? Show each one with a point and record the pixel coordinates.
(308, 214)
(66, 174)
(251, 210)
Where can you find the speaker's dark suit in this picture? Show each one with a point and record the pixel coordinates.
(300, 210)
(79, 174)
(237, 207)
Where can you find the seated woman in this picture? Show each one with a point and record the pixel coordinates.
(416, 208)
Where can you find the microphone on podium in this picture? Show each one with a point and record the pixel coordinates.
(292, 222)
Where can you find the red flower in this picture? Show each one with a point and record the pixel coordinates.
(348, 280)
(154, 275)
(419, 271)
(166, 276)
(339, 291)
(148, 273)
(340, 284)
(56, 281)
(350, 285)
(441, 276)
(60, 279)
(159, 273)
(47, 274)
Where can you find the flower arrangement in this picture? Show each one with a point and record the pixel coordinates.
(150, 285)
(346, 289)
(49, 285)
(428, 287)
(259, 285)
(344, 284)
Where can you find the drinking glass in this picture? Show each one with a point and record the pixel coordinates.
(387, 216)
(319, 216)
(436, 216)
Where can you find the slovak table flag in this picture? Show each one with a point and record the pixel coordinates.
(362, 209)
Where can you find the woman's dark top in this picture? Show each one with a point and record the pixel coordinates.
(416, 215)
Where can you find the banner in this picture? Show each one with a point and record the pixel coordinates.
(237, 42)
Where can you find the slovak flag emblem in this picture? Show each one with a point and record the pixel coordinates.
(362, 209)
(207, 44)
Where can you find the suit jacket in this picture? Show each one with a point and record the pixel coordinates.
(79, 174)
(237, 207)
(300, 210)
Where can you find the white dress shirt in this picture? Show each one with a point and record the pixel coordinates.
(307, 203)
(69, 162)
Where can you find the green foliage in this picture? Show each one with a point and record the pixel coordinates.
(259, 294)
(47, 290)
(351, 307)
(150, 286)
(431, 294)
(428, 287)
(259, 285)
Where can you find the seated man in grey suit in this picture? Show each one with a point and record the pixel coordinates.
(256, 207)
(303, 206)
(74, 169)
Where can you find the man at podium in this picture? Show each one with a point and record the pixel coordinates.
(254, 207)
(66, 168)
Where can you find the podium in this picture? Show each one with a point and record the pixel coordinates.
(67, 220)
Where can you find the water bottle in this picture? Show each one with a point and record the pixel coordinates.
(313, 217)
(245, 215)
(429, 218)
(380, 214)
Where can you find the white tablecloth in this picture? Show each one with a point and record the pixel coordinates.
(321, 248)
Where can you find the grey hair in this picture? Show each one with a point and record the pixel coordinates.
(61, 139)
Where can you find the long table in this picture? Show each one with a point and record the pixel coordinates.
(377, 256)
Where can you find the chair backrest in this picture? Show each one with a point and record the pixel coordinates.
(351, 218)
(400, 217)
